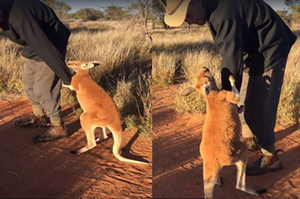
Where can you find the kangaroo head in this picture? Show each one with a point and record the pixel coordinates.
(82, 66)
(205, 83)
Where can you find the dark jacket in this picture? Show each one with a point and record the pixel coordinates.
(35, 26)
(251, 28)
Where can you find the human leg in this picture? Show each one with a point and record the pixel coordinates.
(38, 119)
(47, 87)
(262, 101)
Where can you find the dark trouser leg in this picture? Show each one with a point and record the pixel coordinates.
(261, 103)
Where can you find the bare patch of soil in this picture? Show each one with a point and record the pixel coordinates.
(47, 170)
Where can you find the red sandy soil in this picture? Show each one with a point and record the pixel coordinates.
(47, 170)
(177, 165)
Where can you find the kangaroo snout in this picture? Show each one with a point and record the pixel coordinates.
(206, 69)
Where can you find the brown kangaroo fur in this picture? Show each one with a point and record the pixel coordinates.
(221, 143)
(99, 110)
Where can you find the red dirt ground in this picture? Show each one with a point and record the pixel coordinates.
(47, 170)
(177, 165)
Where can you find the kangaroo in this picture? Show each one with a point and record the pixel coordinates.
(99, 110)
(221, 143)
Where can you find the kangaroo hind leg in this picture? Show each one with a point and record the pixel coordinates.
(241, 180)
(89, 129)
(210, 178)
(104, 137)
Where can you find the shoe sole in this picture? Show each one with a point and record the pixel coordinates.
(267, 171)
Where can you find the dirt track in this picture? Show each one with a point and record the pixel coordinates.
(47, 170)
(177, 165)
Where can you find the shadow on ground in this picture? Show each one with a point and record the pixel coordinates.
(177, 167)
(47, 170)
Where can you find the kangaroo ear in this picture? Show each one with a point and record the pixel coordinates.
(92, 64)
(96, 63)
(205, 89)
(187, 91)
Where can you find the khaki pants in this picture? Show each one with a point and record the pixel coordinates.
(42, 87)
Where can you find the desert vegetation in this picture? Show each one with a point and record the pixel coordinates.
(179, 53)
(125, 71)
(116, 36)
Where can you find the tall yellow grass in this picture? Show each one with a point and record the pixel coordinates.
(190, 49)
(123, 55)
(289, 106)
(11, 67)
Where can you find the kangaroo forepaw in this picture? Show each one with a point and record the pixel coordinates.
(232, 80)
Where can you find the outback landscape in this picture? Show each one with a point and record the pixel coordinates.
(178, 121)
(48, 170)
(144, 78)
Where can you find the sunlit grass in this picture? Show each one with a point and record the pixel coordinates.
(190, 49)
(119, 47)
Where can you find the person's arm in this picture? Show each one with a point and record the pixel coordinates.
(32, 33)
(229, 36)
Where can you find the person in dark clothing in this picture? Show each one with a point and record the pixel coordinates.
(252, 39)
(44, 38)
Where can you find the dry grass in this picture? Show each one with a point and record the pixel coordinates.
(178, 55)
(163, 68)
(119, 47)
(134, 100)
(183, 51)
(289, 106)
(11, 67)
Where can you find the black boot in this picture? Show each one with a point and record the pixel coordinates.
(265, 164)
(54, 133)
(35, 121)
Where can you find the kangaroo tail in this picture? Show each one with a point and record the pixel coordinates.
(116, 150)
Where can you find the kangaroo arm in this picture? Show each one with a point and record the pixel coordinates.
(73, 86)
(233, 96)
